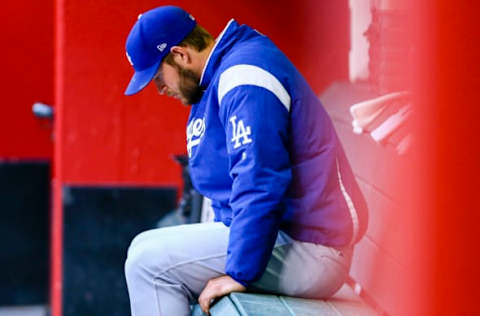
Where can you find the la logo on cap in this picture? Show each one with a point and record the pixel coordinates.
(161, 47)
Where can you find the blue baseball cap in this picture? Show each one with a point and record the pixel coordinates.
(150, 40)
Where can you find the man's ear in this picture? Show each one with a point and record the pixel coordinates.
(181, 55)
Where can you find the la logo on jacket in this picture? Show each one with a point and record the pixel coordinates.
(240, 133)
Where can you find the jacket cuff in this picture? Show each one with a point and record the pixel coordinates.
(242, 282)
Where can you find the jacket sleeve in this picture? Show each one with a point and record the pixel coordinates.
(256, 127)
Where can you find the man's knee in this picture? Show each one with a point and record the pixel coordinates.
(147, 254)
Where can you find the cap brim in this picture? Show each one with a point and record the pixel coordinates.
(141, 79)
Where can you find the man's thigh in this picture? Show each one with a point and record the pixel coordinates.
(186, 254)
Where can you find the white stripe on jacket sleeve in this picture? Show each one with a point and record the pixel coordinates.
(251, 75)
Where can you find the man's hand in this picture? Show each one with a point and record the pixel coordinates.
(218, 287)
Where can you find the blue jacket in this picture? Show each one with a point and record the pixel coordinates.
(262, 147)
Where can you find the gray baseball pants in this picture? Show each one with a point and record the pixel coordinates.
(167, 268)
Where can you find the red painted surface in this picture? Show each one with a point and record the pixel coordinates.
(456, 155)
(446, 77)
(27, 77)
(56, 223)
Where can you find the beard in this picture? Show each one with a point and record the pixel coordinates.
(190, 90)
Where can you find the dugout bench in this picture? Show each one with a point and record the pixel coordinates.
(378, 261)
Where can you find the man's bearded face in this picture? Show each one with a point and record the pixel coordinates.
(190, 91)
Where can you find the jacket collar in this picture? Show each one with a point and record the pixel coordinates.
(223, 43)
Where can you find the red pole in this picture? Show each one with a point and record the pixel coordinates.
(455, 156)
(56, 255)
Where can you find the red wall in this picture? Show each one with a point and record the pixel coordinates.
(448, 76)
(27, 76)
(106, 137)
(456, 156)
